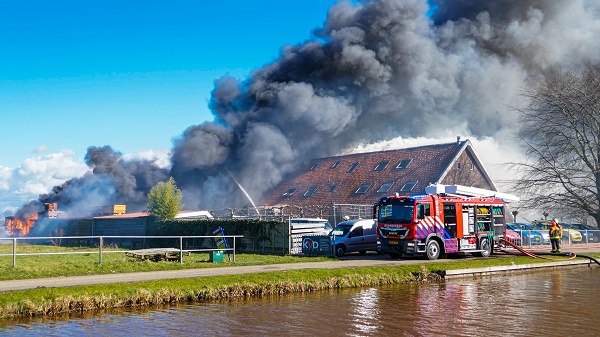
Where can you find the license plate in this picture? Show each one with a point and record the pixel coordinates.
(393, 242)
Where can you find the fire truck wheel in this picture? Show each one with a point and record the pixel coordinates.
(340, 250)
(433, 250)
(486, 247)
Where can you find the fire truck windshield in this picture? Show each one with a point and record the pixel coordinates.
(396, 213)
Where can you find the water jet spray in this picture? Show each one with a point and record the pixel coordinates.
(244, 191)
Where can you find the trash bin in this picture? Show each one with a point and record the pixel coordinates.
(216, 256)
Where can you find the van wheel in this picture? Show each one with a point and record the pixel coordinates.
(362, 252)
(340, 250)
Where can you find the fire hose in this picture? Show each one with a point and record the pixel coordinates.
(541, 255)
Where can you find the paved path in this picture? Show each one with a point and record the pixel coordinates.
(369, 260)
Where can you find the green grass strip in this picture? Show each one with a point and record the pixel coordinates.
(55, 301)
(40, 266)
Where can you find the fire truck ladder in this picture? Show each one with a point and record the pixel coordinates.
(467, 191)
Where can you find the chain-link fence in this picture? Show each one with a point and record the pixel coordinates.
(335, 213)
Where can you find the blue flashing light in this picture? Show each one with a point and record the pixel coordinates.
(419, 196)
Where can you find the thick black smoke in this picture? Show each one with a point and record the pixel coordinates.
(375, 70)
(379, 70)
(112, 180)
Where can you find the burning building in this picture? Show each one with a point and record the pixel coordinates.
(16, 226)
(21, 224)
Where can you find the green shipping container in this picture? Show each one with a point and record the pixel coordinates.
(216, 256)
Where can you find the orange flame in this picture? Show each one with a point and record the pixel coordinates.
(19, 227)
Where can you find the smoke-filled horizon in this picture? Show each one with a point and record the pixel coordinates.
(376, 70)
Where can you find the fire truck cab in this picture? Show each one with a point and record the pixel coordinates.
(437, 224)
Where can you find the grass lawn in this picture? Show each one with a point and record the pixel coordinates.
(85, 261)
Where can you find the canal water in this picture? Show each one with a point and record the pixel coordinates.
(543, 303)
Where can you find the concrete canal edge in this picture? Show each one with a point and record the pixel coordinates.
(477, 272)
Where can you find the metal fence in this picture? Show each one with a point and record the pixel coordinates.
(185, 244)
(570, 238)
(100, 241)
(333, 212)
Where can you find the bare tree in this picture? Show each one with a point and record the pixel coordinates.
(560, 133)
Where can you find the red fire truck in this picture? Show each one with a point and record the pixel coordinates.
(440, 223)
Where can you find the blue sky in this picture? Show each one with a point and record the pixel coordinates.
(135, 74)
(130, 74)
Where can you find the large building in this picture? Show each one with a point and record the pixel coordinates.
(362, 178)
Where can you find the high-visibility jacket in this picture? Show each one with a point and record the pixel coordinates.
(555, 231)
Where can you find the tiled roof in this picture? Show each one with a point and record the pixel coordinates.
(334, 184)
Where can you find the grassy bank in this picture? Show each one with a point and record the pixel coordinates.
(54, 301)
(85, 261)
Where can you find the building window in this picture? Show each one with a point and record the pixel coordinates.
(472, 167)
(408, 186)
(334, 165)
(290, 192)
(332, 188)
(314, 167)
(385, 187)
(352, 168)
(363, 188)
(458, 165)
(311, 191)
(403, 164)
(381, 166)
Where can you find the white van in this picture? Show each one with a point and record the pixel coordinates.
(310, 226)
(355, 236)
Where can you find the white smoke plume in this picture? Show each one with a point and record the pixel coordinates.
(375, 71)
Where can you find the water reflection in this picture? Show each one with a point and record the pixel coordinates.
(537, 304)
(364, 307)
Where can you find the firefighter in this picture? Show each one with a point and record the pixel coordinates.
(555, 235)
